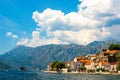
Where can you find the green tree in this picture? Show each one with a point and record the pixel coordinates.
(118, 55)
(58, 66)
(53, 65)
(100, 69)
(118, 67)
(114, 47)
(103, 69)
(104, 50)
(82, 68)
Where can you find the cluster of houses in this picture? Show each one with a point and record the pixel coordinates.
(106, 60)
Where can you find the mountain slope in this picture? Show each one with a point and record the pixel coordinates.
(4, 66)
(40, 56)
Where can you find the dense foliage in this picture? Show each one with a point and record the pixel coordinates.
(114, 47)
(82, 68)
(57, 66)
(118, 67)
(100, 69)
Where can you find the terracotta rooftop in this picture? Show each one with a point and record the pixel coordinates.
(87, 62)
(67, 62)
(104, 63)
(111, 52)
(82, 61)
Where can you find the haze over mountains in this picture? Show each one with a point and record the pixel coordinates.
(40, 56)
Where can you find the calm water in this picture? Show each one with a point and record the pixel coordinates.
(21, 75)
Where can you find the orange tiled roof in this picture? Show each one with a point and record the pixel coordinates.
(88, 62)
(82, 61)
(111, 52)
(67, 63)
(104, 63)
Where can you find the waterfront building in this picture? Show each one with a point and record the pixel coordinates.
(49, 68)
(106, 60)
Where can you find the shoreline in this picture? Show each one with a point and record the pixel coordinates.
(97, 73)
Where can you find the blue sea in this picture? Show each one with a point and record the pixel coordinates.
(30, 75)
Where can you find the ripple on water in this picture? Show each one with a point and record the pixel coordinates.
(17, 75)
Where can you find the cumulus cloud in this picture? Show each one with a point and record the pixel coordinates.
(10, 34)
(94, 20)
(23, 41)
(37, 40)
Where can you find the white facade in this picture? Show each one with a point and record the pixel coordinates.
(64, 70)
(113, 67)
(90, 66)
(49, 68)
(75, 59)
(100, 65)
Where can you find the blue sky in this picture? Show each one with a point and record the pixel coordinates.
(16, 17)
(40, 22)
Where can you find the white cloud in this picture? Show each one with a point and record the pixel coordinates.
(94, 20)
(52, 20)
(10, 34)
(23, 41)
(37, 40)
(14, 36)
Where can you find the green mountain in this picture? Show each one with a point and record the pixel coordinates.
(39, 57)
(4, 66)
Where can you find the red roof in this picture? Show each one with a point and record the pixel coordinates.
(67, 63)
(88, 62)
(111, 52)
(104, 63)
(82, 61)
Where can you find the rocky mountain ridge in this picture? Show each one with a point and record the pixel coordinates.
(40, 56)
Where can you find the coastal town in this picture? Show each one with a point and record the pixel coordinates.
(106, 61)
